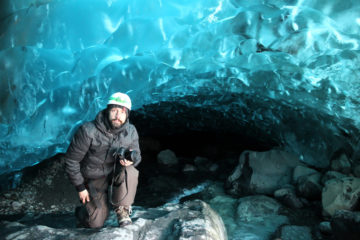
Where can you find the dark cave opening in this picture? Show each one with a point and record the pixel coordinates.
(193, 133)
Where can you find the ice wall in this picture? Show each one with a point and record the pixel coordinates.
(60, 60)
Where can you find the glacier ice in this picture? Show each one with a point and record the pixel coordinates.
(289, 67)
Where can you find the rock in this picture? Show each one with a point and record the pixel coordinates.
(331, 175)
(225, 205)
(309, 186)
(258, 217)
(17, 205)
(213, 167)
(191, 220)
(48, 181)
(325, 228)
(341, 164)
(356, 170)
(254, 225)
(202, 163)
(288, 197)
(167, 158)
(7, 195)
(255, 207)
(214, 189)
(189, 168)
(261, 172)
(300, 171)
(340, 194)
(292, 232)
(345, 225)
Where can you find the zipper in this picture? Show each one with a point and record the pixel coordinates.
(107, 152)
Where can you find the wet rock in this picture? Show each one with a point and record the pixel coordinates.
(189, 168)
(288, 197)
(48, 181)
(340, 194)
(213, 167)
(291, 232)
(331, 175)
(341, 164)
(168, 162)
(325, 228)
(167, 158)
(255, 207)
(301, 171)
(17, 205)
(345, 225)
(356, 170)
(309, 186)
(191, 220)
(202, 163)
(262, 172)
(258, 217)
(7, 195)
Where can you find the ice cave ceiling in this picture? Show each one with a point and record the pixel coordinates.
(284, 69)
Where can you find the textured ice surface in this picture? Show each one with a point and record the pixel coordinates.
(60, 60)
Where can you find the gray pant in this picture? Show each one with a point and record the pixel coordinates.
(96, 211)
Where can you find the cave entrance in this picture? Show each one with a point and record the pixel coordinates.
(212, 154)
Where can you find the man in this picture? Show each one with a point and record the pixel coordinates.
(94, 161)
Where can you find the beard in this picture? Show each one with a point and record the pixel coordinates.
(116, 123)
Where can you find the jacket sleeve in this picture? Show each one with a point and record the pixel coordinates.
(135, 145)
(74, 155)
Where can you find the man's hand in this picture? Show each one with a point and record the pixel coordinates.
(125, 163)
(84, 196)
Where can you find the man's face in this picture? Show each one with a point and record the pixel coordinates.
(117, 116)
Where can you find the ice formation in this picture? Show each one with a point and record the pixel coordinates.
(60, 60)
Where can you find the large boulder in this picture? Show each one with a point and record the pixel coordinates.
(340, 194)
(292, 232)
(191, 220)
(253, 208)
(262, 172)
(258, 217)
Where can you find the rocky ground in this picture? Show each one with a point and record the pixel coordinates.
(268, 195)
(192, 220)
(43, 189)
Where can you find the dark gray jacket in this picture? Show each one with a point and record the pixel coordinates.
(90, 154)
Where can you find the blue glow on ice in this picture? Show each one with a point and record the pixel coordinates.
(62, 59)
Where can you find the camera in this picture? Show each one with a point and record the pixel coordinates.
(123, 153)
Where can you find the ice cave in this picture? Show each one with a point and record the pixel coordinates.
(247, 113)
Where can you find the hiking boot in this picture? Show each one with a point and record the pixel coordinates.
(123, 215)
